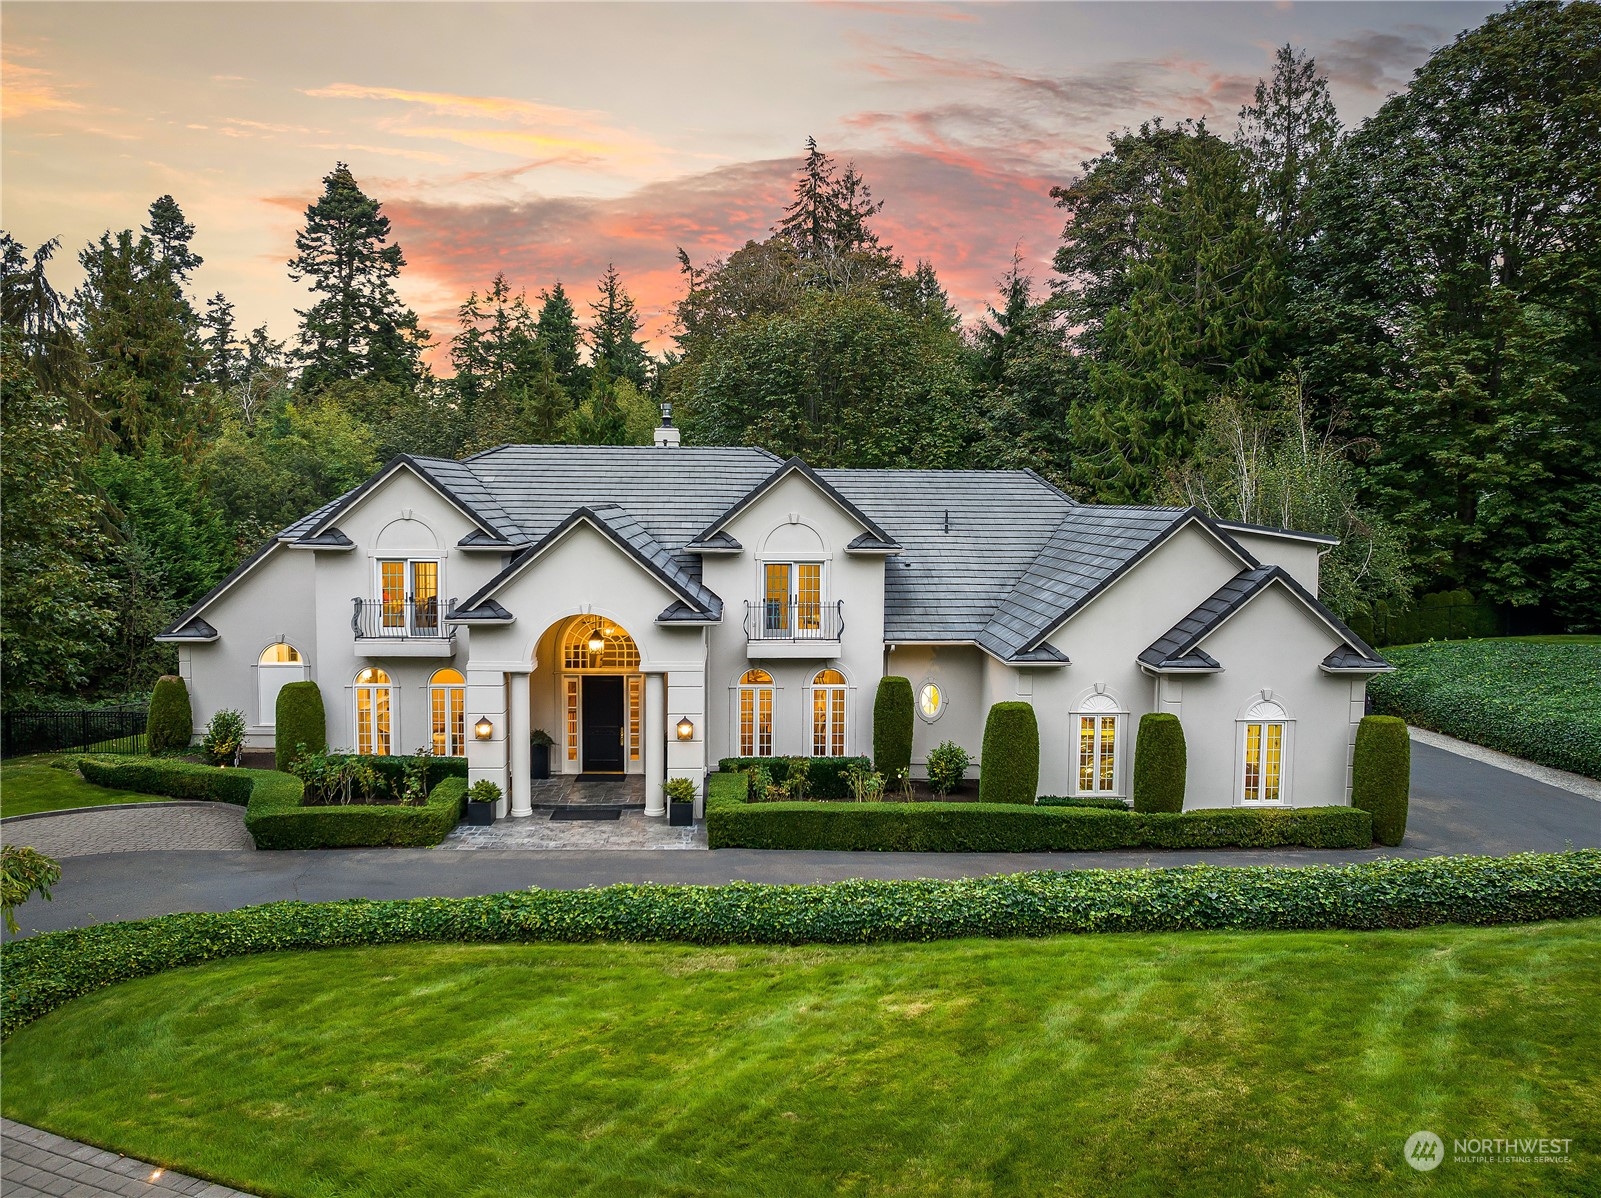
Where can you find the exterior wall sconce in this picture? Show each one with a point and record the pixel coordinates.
(686, 729)
(483, 729)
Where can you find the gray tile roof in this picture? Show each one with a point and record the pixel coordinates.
(1345, 659)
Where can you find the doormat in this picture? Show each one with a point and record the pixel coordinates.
(587, 813)
(617, 777)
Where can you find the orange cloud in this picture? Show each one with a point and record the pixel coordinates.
(28, 90)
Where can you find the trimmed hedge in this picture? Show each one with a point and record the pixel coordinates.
(171, 722)
(1381, 775)
(892, 726)
(1535, 700)
(825, 776)
(1009, 766)
(1104, 803)
(272, 801)
(301, 720)
(731, 822)
(1160, 763)
(40, 973)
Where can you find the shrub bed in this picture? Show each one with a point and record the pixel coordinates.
(41, 972)
(1534, 700)
(826, 777)
(731, 822)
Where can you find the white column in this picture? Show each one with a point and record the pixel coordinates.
(655, 732)
(519, 723)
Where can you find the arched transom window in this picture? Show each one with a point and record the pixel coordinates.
(373, 729)
(595, 643)
(828, 714)
(277, 667)
(756, 714)
(447, 704)
(1264, 753)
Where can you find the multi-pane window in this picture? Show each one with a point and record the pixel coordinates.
(594, 643)
(828, 714)
(373, 713)
(756, 714)
(635, 687)
(793, 596)
(409, 596)
(1264, 749)
(447, 702)
(572, 719)
(278, 665)
(1097, 732)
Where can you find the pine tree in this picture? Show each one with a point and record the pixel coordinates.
(358, 329)
(611, 334)
(34, 310)
(170, 233)
(559, 337)
(227, 360)
(808, 222)
(1287, 135)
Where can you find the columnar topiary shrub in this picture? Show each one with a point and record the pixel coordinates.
(1381, 775)
(1160, 762)
(1009, 770)
(301, 721)
(171, 724)
(892, 726)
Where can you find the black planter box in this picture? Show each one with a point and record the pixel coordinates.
(539, 756)
(681, 815)
(480, 815)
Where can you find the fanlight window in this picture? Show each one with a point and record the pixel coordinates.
(276, 668)
(756, 714)
(281, 654)
(828, 714)
(373, 727)
(616, 649)
(447, 704)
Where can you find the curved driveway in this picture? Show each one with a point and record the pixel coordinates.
(1459, 805)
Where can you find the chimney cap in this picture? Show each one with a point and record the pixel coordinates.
(667, 415)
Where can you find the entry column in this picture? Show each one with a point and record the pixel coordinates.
(655, 745)
(519, 726)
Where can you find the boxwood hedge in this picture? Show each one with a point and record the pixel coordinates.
(1381, 775)
(301, 720)
(732, 822)
(892, 726)
(170, 724)
(1009, 762)
(41, 972)
(825, 776)
(175, 779)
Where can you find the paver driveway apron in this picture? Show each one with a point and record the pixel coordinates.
(134, 828)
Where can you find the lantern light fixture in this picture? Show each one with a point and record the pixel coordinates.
(686, 729)
(483, 729)
(597, 642)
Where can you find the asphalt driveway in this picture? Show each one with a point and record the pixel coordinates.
(1459, 805)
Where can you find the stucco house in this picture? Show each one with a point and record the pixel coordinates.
(657, 608)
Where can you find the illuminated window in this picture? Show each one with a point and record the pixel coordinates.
(280, 654)
(635, 687)
(792, 597)
(447, 703)
(756, 714)
(572, 719)
(930, 701)
(828, 714)
(372, 713)
(617, 649)
(1097, 729)
(1264, 754)
(277, 667)
(408, 593)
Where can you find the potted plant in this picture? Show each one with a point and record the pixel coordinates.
(680, 803)
(539, 754)
(482, 796)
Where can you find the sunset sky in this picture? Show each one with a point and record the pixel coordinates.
(546, 140)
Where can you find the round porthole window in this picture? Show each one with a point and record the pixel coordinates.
(930, 701)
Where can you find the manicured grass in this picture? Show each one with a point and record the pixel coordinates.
(29, 784)
(1534, 697)
(1190, 1063)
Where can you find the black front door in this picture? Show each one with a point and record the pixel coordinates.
(603, 723)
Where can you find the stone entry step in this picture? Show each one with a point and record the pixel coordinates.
(574, 790)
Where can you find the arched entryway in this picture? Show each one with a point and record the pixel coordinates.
(602, 697)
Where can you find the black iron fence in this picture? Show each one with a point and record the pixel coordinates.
(797, 620)
(403, 618)
(89, 730)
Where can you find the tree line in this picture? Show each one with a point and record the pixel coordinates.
(1388, 333)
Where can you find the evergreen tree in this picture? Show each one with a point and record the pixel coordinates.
(1287, 136)
(600, 419)
(929, 299)
(226, 360)
(558, 337)
(358, 328)
(612, 333)
(171, 234)
(33, 309)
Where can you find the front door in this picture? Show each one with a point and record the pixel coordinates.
(603, 723)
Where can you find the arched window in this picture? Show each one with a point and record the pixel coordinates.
(1098, 730)
(447, 701)
(1264, 753)
(828, 714)
(372, 713)
(756, 714)
(595, 643)
(277, 667)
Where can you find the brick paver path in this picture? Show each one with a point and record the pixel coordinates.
(35, 1163)
(178, 825)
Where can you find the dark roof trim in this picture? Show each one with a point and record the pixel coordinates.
(1194, 662)
(1346, 660)
(679, 612)
(867, 543)
(1050, 486)
(331, 538)
(1267, 530)
(1049, 655)
(584, 515)
(196, 630)
(205, 600)
(1181, 520)
(395, 463)
(795, 465)
(487, 612)
(482, 541)
(717, 543)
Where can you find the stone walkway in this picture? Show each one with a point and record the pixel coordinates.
(133, 828)
(568, 790)
(632, 830)
(34, 1164)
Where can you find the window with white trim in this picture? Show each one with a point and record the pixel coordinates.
(447, 705)
(755, 731)
(408, 594)
(792, 597)
(930, 701)
(278, 666)
(828, 714)
(1098, 738)
(1264, 754)
(373, 723)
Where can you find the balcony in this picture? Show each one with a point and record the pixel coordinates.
(799, 628)
(403, 627)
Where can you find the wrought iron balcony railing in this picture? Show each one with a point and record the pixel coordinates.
(408, 618)
(796, 620)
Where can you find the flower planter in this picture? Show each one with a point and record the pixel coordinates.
(480, 814)
(539, 756)
(681, 815)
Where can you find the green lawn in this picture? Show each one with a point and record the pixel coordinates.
(29, 784)
(1196, 1063)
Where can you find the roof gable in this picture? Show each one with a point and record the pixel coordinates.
(444, 477)
(878, 540)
